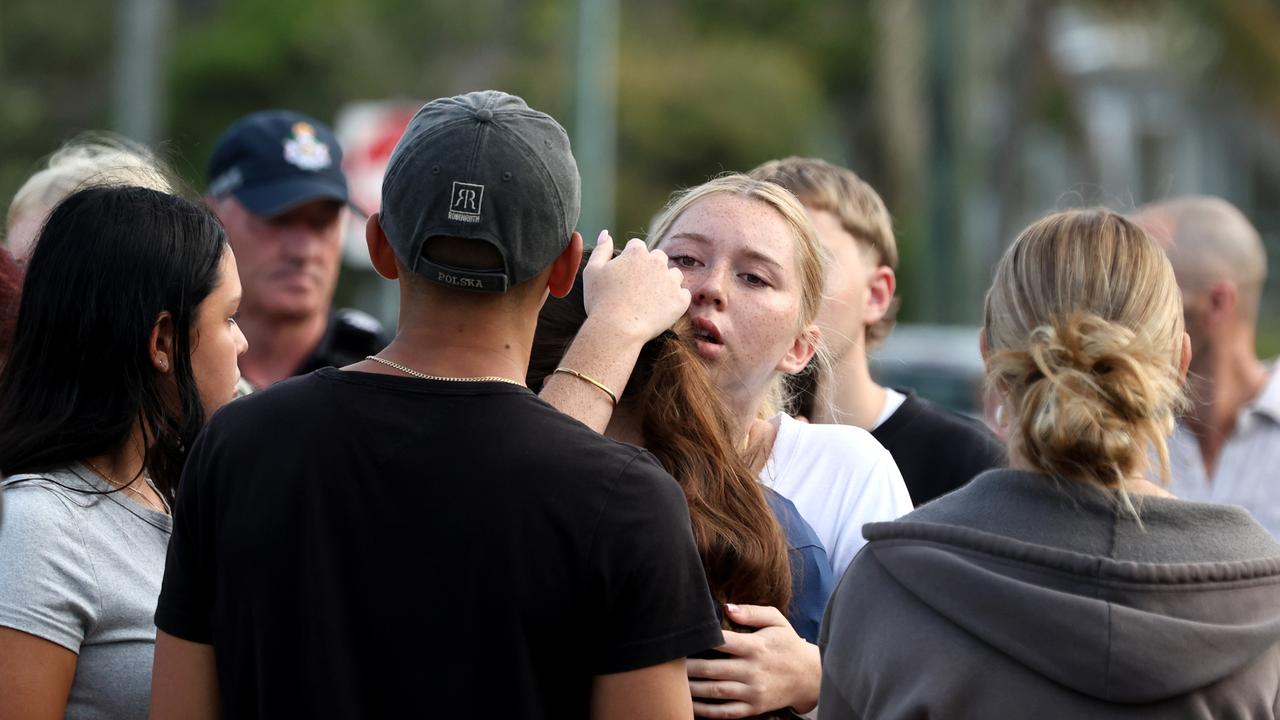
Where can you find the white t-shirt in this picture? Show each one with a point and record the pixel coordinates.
(839, 478)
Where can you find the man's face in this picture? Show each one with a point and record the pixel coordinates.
(288, 263)
(844, 314)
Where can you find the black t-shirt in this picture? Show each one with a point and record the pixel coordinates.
(361, 545)
(937, 450)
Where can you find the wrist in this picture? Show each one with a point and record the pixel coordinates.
(811, 681)
(605, 332)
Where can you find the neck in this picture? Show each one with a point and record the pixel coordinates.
(849, 395)
(277, 346)
(1132, 485)
(489, 340)
(1221, 387)
(122, 465)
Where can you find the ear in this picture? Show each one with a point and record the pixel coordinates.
(802, 350)
(160, 345)
(880, 287)
(1184, 361)
(564, 271)
(380, 252)
(1222, 300)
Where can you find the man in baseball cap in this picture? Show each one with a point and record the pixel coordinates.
(418, 530)
(276, 182)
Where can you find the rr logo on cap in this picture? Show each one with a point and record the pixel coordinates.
(464, 203)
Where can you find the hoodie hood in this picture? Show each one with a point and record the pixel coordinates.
(1117, 630)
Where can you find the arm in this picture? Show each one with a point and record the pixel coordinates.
(630, 300)
(653, 693)
(770, 668)
(35, 676)
(184, 681)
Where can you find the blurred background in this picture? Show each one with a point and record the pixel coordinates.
(971, 117)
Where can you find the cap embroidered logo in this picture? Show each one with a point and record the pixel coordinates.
(464, 204)
(304, 151)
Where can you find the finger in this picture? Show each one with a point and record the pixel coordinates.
(735, 670)
(635, 245)
(603, 250)
(739, 644)
(756, 616)
(719, 689)
(728, 710)
(659, 256)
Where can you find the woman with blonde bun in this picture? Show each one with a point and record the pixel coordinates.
(1069, 585)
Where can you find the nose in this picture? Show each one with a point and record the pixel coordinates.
(241, 342)
(709, 287)
(302, 242)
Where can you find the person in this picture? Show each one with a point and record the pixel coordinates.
(1226, 444)
(276, 183)
(93, 158)
(125, 340)
(755, 270)
(857, 314)
(1068, 585)
(755, 547)
(419, 528)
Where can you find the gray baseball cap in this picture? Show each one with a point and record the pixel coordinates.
(482, 166)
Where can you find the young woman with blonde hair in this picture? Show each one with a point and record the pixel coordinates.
(754, 269)
(1069, 585)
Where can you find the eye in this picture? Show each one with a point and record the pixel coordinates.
(753, 279)
(684, 261)
(232, 320)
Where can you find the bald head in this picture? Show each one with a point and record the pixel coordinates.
(1209, 241)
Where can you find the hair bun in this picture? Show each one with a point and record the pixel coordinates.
(1091, 390)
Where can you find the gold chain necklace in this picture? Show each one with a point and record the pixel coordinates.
(424, 376)
(127, 488)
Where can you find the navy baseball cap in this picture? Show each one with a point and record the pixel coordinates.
(482, 166)
(275, 160)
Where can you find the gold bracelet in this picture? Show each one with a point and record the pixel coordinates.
(593, 381)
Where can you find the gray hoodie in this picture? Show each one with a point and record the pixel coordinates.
(1021, 596)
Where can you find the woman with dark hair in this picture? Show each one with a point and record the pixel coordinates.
(125, 340)
(755, 547)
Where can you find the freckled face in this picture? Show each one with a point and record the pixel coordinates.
(738, 257)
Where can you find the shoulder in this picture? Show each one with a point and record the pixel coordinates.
(918, 416)
(839, 445)
(44, 500)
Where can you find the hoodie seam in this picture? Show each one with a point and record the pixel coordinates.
(1106, 678)
(1070, 562)
(1101, 582)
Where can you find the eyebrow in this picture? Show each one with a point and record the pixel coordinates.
(749, 253)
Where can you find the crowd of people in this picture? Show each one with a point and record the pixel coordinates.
(655, 481)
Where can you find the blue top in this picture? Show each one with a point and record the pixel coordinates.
(811, 581)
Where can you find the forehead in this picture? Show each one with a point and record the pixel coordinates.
(729, 223)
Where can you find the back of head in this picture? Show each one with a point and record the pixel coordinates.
(1209, 240)
(1084, 330)
(87, 160)
(823, 186)
(811, 257)
(109, 261)
(481, 193)
(687, 426)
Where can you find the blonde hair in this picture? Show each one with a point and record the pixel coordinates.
(89, 159)
(821, 185)
(1083, 325)
(811, 257)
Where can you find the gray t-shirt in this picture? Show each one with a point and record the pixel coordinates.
(84, 571)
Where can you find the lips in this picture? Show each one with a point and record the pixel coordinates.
(710, 342)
